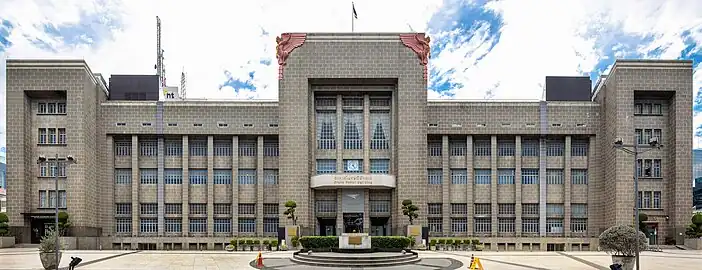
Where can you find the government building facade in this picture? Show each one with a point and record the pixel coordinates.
(350, 137)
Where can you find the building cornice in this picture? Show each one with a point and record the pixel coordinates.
(57, 64)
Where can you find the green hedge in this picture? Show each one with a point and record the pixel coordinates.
(377, 242)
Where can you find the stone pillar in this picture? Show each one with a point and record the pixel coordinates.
(339, 212)
(259, 186)
(469, 186)
(366, 138)
(186, 186)
(594, 222)
(108, 225)
(567, 188)
(518, 186)
(235, 186)
(445, 185)
(210, 186)
(366, 211)
(136, 180)
(493, 186)
(339, 134)
(161, 186)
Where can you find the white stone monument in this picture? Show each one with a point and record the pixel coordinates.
(354, 241)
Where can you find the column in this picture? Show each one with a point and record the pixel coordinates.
(339, 134)
(518, 186)
(210, 186)
(136, 180)
(493, 186)
(108, 225)
(366, 210)
(566, 188)
(339, 213)
(259, 187)
(593, 182)
(469, 184)
(445, 185)
(186, 185)
(366, 137)
(235, 186)
(542, 187)
(161, 186)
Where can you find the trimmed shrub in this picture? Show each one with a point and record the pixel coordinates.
(621, 240)
(4, 227)
(380, 243)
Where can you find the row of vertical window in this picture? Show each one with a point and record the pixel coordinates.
(507, 176)
(380, 127)
(52, 136)
(648, 108)
(377, 166)
(196, 225)
(508, 148)
(196, 176)
(197, 148)
(351, 101)
(125, 209)
(506, 225)
(330, 206)
(578, 210)
(49, 168)
(649, 199)
(47, 199)
(51, 108)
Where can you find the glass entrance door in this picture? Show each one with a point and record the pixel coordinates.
(353, 222)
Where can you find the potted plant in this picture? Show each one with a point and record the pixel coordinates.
(466, 244)
(294, 241)
(232, 245)
(47, 250)
(442, 244)
(250, 244)
(266, 244)
(477, 246)
(241, 244)
(449, 244)
(274, 244)
(432, 244)
(693, 232)
(621, 241)
(257, 244)
(283, 246)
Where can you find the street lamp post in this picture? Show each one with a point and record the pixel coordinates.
(57, 163)
(637, 149)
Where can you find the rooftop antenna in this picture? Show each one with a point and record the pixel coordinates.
(183, 81)
(160, 68)
(410, 27)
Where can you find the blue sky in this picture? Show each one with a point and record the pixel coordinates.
(480, 49)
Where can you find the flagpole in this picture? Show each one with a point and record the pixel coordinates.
(352, 17)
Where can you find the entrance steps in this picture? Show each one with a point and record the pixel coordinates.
(355, 260)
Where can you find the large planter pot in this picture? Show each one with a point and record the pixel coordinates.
(230, 248)
(627, 262)
(48, 260)
(7, 241)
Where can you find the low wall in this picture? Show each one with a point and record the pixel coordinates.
(693, 243)
(7, 241)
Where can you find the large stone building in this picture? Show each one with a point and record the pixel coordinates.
(351, 136)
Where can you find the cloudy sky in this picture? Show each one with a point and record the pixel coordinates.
(481, 49)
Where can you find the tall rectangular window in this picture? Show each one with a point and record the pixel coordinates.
(148, 225)
(247, 177)
(222, 225)
(554, 176)
(326, 130)
(483, 176)
(148, 148)
(197, 177)
(123, 148)
(326, 166)
(380, 166)
(380, 130)
(43, 136)
(505, 148)
(247, 225)
(530, 176)
(482, 148)
(579, 176)
(554, 148)
(435, 224)
(434, 148)
(353, 130)
(173, 176)
(457, 148)
(270, 176)
(222, 176)
(123, 176)
(223, 148)
(271, 149)
(578, 148)
(198, 148)
(505, 176)
(530, 148)
(459, 176)
(174, 148)
(62, 136)
(148, 176)
(174, 225)
(435, 176)
(198, 225)
(247, 148)
(270, 225)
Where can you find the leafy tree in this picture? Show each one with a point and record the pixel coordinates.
(694, 230)
(290, 212)
(410, 210)
(64, 223)
(3, 224)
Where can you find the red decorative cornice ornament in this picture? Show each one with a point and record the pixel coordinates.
(420, 45)
(286, 43)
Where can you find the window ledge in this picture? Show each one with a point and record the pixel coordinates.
(51, 177)
(58, 114)
(52, 144)
(51, 208)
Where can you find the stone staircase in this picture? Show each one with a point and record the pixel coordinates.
(355, 260)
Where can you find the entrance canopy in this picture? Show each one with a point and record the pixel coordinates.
(372, 181)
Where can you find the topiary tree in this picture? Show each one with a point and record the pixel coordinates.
(290, 212)
(621, 240)
(64, 223)
(694, 230)
(4, 228)
(410, 210)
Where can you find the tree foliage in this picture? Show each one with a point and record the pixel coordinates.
(4, 227)
(621, 240)
(410, 210)
(290, 211)
(694, 230)
(64, 223)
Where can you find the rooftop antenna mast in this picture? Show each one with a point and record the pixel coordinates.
(183, 81)
(160, 68)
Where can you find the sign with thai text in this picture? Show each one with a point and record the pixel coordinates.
(353, 180)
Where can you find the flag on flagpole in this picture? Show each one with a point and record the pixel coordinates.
(353, 7)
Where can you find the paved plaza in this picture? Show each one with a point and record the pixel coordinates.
(28, 258)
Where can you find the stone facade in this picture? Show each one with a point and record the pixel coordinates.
(192, 174)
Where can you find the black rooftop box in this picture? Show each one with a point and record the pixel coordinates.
(568, 88)
(134, 87)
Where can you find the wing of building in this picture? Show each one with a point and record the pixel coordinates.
(351, 136)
